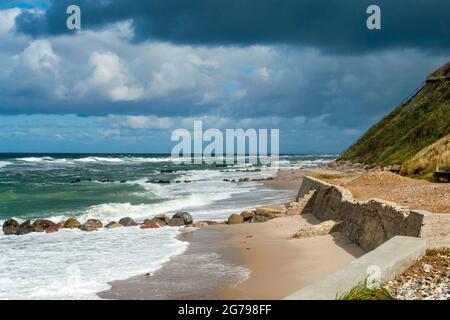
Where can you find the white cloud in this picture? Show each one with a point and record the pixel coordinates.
(38, 55)
(8, 20)
(147, 122)
(263, 73)
(209, 121)
(181, 72)
(110, 77)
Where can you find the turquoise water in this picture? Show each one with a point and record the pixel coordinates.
(72, 264)
(42, 185)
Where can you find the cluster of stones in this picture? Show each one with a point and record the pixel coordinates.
(247, 179)
(428, 279)
(13, 227)
(263, 214)
(260, 214)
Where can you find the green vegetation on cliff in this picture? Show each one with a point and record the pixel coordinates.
(409, 129)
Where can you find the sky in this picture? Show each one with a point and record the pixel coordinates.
(137, 70)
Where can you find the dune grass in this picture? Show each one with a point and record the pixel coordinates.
(434, 157)
(363, 291)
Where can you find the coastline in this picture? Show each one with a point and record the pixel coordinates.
(246, 261)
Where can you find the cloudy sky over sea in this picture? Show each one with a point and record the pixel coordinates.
(139, 69)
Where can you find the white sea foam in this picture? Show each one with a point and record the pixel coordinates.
(100, 159)
(4, 164)
(80, 264)
(35, 159)
(94, 159)
(72, 264)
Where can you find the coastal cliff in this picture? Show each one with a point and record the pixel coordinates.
(403, 136)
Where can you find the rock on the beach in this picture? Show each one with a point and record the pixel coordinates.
(186, 216)
(10, 227)
(247, 215)
(152, 224)
(176, 222)
(321, 229)
(113, 225)
(91, 225)
(235, 219)
(42, 225)
(258, 219)
(72, 223)
(24, 228)
(127, 222)
(295, 208)
(271, 212)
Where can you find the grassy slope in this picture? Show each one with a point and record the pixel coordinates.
(430, 158)
(408, 129)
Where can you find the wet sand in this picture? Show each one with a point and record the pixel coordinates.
(206, 265)
(247, 261)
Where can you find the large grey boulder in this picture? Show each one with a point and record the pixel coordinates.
(127, 222)
(24, 228)
(186, 216)
(91, 225)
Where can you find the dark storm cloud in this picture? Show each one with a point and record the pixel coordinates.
(332, 25)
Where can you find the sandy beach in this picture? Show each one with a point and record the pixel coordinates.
(251, 261)
(279, 265)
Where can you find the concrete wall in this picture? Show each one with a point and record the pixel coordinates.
(435, 227)
(386, 261)
(373, 222)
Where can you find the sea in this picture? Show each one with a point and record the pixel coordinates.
(72, 264)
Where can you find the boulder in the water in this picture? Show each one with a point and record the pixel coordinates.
(113, 225)
(127, 222)
(152, 224)
(161, 217)
(52, 229)
(10, 227)
(175, 222)
(72, 223)
(24, 228)
(91, 225)
(41, 225)
(186, 216)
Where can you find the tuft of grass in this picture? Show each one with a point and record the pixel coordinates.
(363, 291)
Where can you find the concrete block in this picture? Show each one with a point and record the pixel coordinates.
(390, 259)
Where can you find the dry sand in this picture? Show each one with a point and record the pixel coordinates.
(279, 265)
